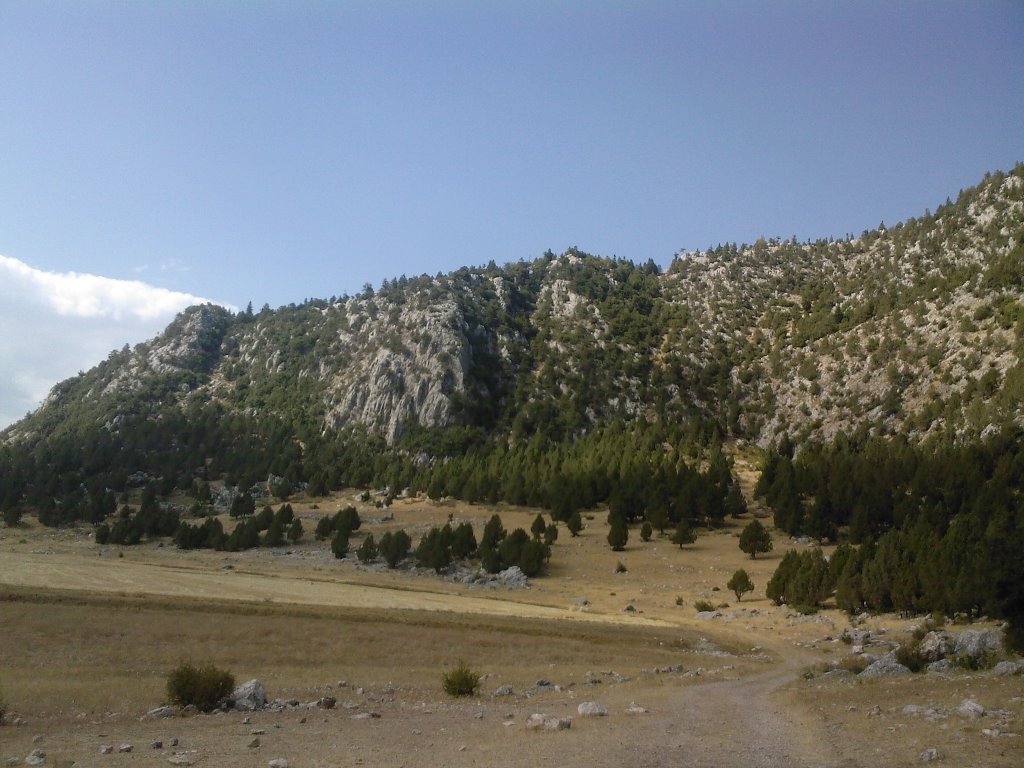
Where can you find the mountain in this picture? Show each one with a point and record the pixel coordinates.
(914, 329)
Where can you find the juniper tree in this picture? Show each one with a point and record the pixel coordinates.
(755, 538)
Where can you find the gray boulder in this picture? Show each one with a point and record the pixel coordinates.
(592, 709)
(975, 643)
(970, 709)
(1008, 668)
(940, 666)
(884, 667)
(249, 696)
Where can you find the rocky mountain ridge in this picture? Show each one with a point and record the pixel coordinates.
(914, 329)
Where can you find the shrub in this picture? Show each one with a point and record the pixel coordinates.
(12, 517)
(740, 583)
(909, 655)
(461, 681)
(202, 687)
(703, 605)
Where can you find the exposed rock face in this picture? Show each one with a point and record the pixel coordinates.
(405, 380)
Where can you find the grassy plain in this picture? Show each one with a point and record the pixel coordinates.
(89, 634)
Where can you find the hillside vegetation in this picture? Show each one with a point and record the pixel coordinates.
(881, 373)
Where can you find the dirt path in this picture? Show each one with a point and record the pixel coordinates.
(734, 723)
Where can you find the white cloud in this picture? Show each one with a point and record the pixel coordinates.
(55, 324)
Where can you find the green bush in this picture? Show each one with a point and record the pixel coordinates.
(703, 605)
(203, 687)
(461, 681)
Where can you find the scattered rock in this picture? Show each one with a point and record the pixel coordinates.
(935, 646)
(160, 712)
(635, 709)
(884, 667)
(279, 762)
(707, 615)
(975, 643)
(254, 744)
(990, 732)
(931, 754)
(181, 760)
(592, 709)
(36, 757)
(504, 690)
(156, 745)
(173, 742)
(257, 732)
(249, 696)
(125, 748)
(106, 749)
(940, 666)
(37, 739)
(366, 716)
(970, 709)
(1008, 668)
(834, 673)
(326, 702)
(541, 722)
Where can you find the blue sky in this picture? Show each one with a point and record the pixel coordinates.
(276, 151)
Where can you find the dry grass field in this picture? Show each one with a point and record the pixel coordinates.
(89, 634)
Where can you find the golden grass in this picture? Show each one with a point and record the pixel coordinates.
(67, 653)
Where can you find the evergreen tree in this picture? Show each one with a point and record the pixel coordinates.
(339, 544)
(538, 527)
(755, 538)
(646, 531)
(574, 524)
(274, 536)
(294, 532)
(463, 544)
(683, 534)
(367, 551)
(618, 534)
(740, 583)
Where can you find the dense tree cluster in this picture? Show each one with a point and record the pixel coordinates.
(265, 529)
(940, 527)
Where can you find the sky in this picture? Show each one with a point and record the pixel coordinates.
(276, 151)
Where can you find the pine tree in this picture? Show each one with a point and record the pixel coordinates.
(574, 524)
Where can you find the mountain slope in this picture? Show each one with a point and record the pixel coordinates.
(913, 329)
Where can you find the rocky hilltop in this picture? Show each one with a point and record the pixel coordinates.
(913, 329)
